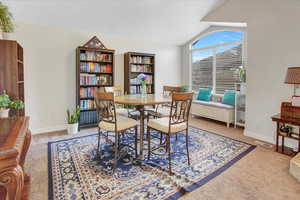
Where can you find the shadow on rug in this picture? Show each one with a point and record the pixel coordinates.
(76, 172)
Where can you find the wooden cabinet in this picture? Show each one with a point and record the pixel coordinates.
(14, 143)
(138, 63)
(12, 72)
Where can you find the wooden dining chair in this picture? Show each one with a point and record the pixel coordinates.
(110, 121)
(164, 109)
(178, 121)
(118, 91)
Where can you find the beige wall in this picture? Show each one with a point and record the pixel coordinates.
(273, 45)
(50, 70)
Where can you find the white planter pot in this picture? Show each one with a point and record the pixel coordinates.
(72, 128)
(243, 88)
(4, 113)
(7, 36)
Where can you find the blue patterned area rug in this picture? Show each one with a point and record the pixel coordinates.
(76, 172)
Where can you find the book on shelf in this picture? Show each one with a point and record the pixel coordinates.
(95, 56)
(140, 59)
(88, 117)
(87, 104)
(95, 67)
(89, 79)
(87, 92)
(136, 81)
(141, 68)
(137, 90)
(105, 80)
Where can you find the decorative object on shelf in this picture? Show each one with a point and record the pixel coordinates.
(94, 71)
(6, 24)
(6, 104)
(73, 119)
(142, 79)
(12, 73)
(94, 43)
(293, 77)
(139, 63)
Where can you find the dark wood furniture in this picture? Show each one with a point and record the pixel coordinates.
(94, 71)
(140, 101)
(138, 63)
(282, 121)
(178, 121)
(12, 72)
(111, 122)
(14, 143)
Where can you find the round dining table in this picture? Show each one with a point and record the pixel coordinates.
(140, 101)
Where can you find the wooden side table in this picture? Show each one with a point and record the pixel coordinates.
(281, 122)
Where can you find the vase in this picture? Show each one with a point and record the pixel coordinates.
(4, 113)
(72, 128)
(143, 89)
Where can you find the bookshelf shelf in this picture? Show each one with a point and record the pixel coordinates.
(94, 70)
(136, 63)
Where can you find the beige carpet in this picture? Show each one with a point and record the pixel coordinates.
(262, 174)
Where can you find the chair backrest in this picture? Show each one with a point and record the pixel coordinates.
(106, 107)
(180, 108)
(117, 90)
(169, 90)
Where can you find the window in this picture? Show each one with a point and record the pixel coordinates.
(215, 60)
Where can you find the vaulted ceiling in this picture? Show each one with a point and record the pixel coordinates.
(172, 22)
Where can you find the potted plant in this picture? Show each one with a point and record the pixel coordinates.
(6, 24)
(73, 119)
(6, 104)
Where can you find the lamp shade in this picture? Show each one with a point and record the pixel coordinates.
(292, 75)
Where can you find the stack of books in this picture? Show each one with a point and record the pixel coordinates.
(136, 81)
(95, 67)
(89, 79)
(87, 104)
(88, 117)
(96, 56)
(105, 80)
(137, 90)
(141, 68)
(140, 59)
(87, 92)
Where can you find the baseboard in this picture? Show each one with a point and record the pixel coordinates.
(289, 143)
(49, 129)
(258, 136)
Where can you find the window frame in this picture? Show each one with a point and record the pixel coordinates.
(207, 32)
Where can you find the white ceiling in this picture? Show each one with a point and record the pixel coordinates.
(172, 22)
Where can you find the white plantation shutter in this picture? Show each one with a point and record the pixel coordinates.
(227, 63)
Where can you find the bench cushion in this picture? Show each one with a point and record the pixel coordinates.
(214, 104)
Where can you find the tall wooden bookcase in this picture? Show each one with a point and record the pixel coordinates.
(137, 63)
(94, 70)
(12, 72)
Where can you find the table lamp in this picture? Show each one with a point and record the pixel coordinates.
(293, 77)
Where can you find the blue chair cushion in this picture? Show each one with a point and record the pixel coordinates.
(204, 94)
(229, 97)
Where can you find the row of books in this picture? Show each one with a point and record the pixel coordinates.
(92, 79)
(140, 59)
(87, 104)
(96, 56)
(95, 67)
(88, 92)
(137, 89)
(88, 117)
(137, 81)
(141, 68)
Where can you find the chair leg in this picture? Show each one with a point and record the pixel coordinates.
(169, 152)
(176, 137)
(135, 141)
(116, 150)
(160, 139)
(149, 142)
(99, 143)
(187, 145)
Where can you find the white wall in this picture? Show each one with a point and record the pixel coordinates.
(273, 45)
(49, 55)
